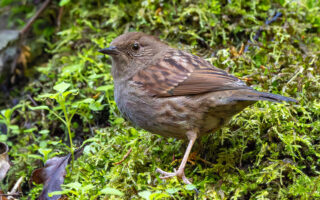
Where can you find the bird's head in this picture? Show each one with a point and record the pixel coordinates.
(132, 51)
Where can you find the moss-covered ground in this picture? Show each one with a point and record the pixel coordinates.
(268, 151)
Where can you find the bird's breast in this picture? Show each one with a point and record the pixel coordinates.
(134, 104)
(168, 116)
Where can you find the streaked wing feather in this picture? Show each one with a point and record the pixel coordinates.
(180, 73)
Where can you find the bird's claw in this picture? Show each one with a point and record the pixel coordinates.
(180, 174)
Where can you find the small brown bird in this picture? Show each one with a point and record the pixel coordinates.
(173, 93)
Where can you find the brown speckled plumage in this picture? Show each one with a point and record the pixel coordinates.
(173, 93)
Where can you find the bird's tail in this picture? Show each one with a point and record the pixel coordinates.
(253, 95)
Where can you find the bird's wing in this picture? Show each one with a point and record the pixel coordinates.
(179, 73)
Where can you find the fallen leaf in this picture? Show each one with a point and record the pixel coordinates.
(4, 160)
(52, 175)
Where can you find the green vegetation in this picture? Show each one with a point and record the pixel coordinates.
(268, 151)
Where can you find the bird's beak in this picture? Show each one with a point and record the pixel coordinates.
(112, 50)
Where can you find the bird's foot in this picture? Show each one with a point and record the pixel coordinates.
(180, 174)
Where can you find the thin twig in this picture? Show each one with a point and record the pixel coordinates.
(124, 157)
(6, 195)
(38, 13)
(13, 191)
(16, 186)
(59, 17)
(32, 100)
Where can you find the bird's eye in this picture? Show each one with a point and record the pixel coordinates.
(135, 46)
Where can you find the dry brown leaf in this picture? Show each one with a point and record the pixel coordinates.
(52, 175)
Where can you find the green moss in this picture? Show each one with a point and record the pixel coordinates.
(268, 151)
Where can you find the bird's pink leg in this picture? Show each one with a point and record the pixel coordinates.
(180, 172)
